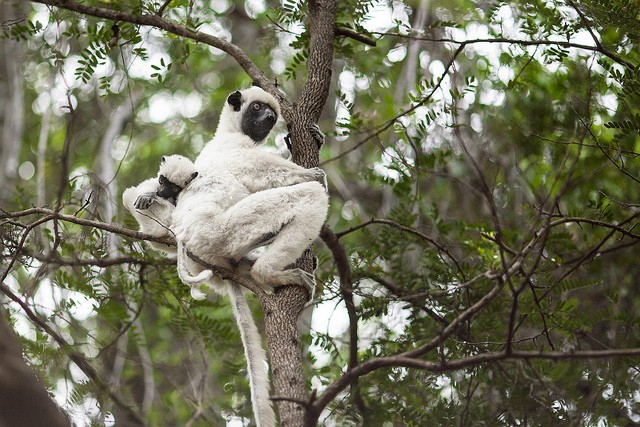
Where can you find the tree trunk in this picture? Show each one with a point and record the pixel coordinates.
(23, 399)
(107, 206)
(282, 310)
(12, 106)
(287, 375)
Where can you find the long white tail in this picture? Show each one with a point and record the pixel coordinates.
(256, 358)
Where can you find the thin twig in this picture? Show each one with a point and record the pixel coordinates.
(600, 48)
(462, 44)
(346, 290)
(163, 7)
(385, 126)
(353, 34)
(405, 229)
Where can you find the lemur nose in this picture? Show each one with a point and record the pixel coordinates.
(270, 115)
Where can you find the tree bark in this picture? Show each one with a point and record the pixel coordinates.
(287, 375)
(282, 310)
(23, 399)
(12, 106)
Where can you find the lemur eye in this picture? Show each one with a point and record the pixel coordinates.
(256, 106)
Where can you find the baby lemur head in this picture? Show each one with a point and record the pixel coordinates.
(175, 173)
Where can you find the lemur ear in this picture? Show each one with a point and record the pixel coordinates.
(193, 175)
(163, 159)
(235, 100)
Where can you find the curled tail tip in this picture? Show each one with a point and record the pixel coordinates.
(197, 294)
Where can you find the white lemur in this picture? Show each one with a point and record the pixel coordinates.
(244, 198)
(153, 201)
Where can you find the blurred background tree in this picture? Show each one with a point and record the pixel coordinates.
(481, 261)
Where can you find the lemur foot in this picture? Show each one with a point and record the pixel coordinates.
(316, 134)
(197, 292)
(320, 176)
(308, 281)
(294, 276)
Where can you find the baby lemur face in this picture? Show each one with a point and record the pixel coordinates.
(176, 172)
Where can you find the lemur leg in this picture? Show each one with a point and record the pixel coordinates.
(288, 217)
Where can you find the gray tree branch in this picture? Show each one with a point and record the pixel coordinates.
(454, 365)
(157, 21)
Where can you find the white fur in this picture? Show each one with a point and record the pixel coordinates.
(177, 169)
(243, 193)
(256, 358)
(242, 196)
(229, 123)
(156, 220)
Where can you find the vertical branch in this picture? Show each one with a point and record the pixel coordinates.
(118, 362)
(346, 289)
(281, 311)
(316, 90)
(107, 208)
(12, 94)
(511, 326)
(280, 317)
(64, 158)
(106, 170)
(41, 156)
(40, 172)
(322, 16)
(147, 370)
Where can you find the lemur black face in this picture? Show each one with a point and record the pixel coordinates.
(257, 120)
(168, 190)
